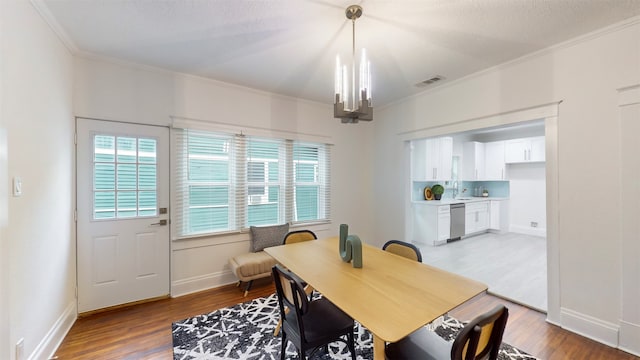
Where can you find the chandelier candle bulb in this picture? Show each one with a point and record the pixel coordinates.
(345, 85)
(365, 78)
(338, 78)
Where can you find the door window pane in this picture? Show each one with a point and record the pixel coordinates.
(127, 177)
(147, 203)
(105, 177)
(126, 149)
(147, 151)
(104, 205)
(146, 177)
(105, 148)
(126, 202)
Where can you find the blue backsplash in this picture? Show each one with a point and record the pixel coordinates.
(495, 188)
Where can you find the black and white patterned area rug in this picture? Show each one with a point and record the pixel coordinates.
(245, 331)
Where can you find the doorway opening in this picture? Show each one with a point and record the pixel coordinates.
(487, 129)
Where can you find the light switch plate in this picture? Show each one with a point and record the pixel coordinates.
(17, 186)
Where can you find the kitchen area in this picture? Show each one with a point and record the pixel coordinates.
(478, 207)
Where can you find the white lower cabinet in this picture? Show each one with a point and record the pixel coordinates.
(476, 217)
(431, 224)
(444, 224)
(499, 216)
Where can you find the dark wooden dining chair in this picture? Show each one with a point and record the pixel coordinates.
(309, 324)
(293, 237)
(479, 339)
(404, 249)
(299, 236)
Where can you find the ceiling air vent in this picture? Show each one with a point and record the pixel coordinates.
(430, 81)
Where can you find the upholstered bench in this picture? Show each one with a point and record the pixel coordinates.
(251, 266)
(257, 264)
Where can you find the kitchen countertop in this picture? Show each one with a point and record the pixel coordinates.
(457, 201)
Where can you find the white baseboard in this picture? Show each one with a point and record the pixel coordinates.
(527, 230)
(49, 344)
(629, 335)
(588, 326)
(202, 282)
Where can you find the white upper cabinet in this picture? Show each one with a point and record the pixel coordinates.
(473, 161)
(537, 149)
(431, 159)
(494, 165)
(483, 161)
(525, 150)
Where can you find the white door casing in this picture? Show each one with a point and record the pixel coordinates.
(123, 237)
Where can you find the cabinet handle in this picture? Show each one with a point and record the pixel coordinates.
(525, 154)
(502, 174)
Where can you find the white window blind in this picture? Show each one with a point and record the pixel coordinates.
(228, 182)
(310, 182)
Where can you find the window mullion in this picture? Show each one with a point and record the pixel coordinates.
(288, 183)
(240, 193)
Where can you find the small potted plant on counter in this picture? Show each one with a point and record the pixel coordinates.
(437, 190)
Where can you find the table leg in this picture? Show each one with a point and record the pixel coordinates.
(378, 348)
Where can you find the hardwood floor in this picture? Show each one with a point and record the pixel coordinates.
(143, 331)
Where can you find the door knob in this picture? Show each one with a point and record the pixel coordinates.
(161, 222)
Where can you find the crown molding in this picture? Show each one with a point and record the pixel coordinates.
(46, 15)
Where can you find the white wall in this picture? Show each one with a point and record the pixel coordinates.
(585, 76)
(110, 91)
(527, 189)
(38, 245)
(4, 246)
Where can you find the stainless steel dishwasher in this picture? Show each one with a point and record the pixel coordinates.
(457, 221)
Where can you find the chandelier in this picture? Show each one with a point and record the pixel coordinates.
(347, 107)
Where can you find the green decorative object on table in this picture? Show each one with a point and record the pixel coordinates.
(437, 190)
(350, 247)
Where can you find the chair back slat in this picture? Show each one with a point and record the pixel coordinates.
(482, 336)
(403, 249)
(291, 295)
(299, 236)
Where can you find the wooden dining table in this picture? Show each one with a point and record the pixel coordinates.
(390, 295)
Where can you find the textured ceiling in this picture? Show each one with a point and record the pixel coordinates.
(289, 46)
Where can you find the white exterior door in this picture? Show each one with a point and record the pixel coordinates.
(123, 237)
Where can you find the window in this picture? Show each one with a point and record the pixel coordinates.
(265, 181)
(208, 183)
(308, 181)
(228, 182)
(124, 177)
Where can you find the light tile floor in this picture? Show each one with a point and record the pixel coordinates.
(514, 266)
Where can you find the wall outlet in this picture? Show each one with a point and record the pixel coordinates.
(20, 349)
(534, 224)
